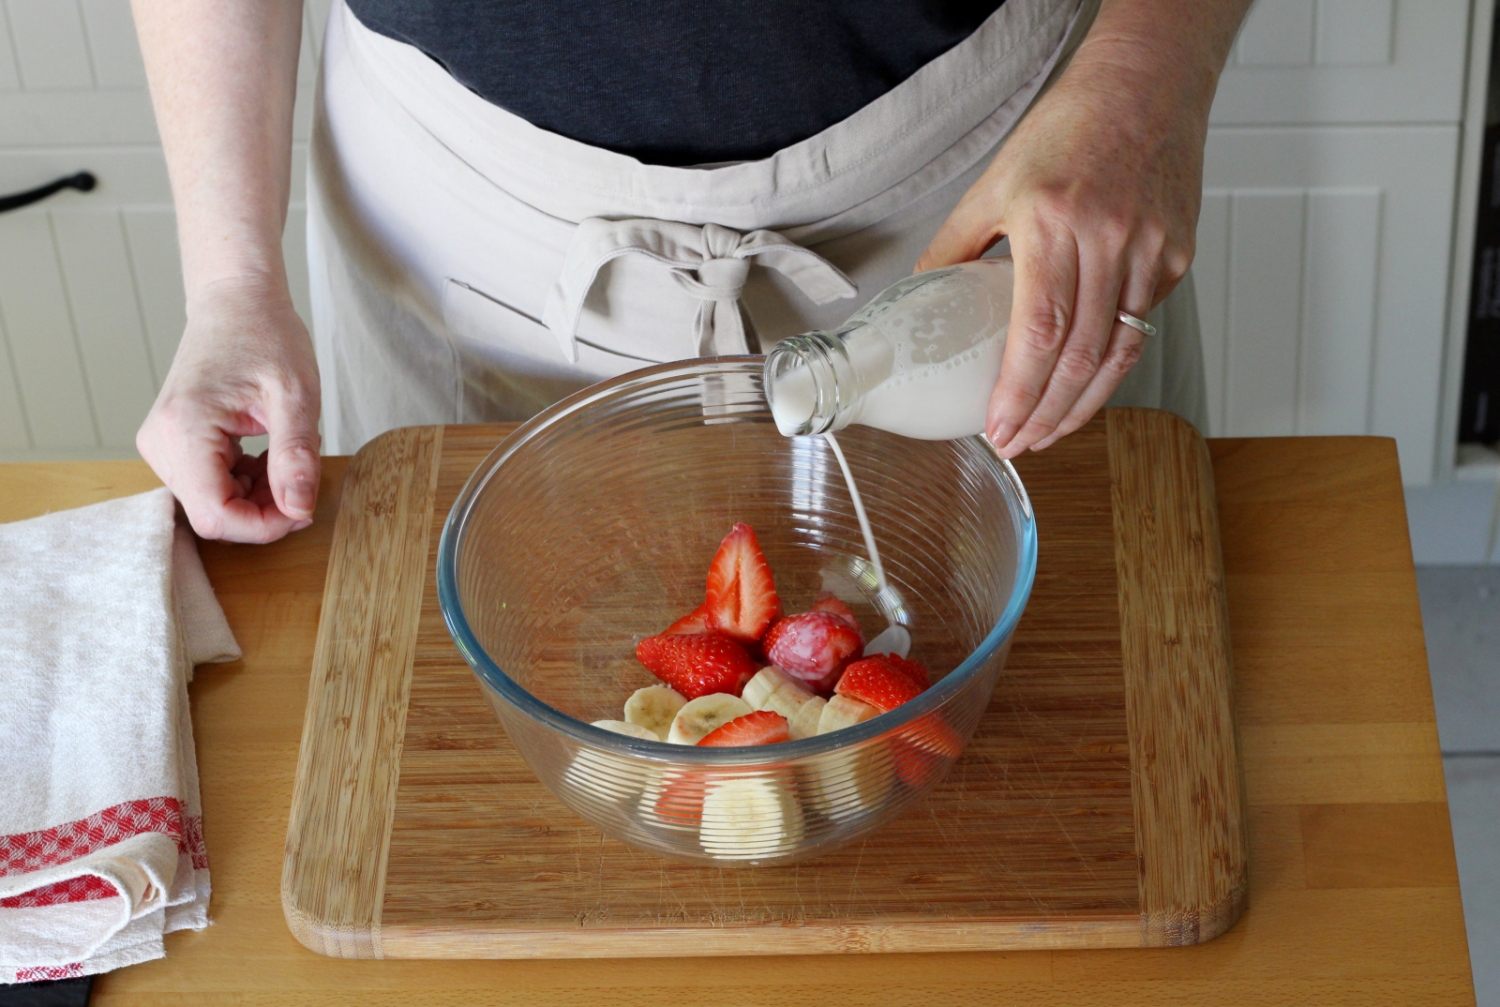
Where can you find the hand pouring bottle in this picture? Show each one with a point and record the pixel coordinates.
(920, 360)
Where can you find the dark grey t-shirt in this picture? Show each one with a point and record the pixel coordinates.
(680, 81)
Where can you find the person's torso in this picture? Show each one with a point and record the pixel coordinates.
(677, 82)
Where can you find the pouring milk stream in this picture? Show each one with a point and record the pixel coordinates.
(920, 360)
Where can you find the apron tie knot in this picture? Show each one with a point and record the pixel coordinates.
(710, 263)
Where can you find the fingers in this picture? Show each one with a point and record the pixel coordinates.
(292, 462)
(1126, 345)
(1125, 348)
(196, 459)
(1040, 319)
(1100, 278)
(967, 234)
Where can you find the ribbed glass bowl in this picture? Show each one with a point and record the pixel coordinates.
(592, 526)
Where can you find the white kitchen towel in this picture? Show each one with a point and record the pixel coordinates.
(104, 611)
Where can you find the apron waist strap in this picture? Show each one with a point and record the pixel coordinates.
(709, 263)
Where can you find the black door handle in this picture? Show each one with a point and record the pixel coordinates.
(83, 182)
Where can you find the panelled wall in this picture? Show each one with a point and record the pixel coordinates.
(1324, 245)
(91, 301)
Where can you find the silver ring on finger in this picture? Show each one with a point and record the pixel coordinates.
(1139, 324)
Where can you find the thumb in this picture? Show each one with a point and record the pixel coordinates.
(964, 236)
(292, 463)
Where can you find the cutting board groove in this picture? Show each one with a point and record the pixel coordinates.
(1098, 805)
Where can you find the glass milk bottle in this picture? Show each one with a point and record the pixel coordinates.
(920, 360)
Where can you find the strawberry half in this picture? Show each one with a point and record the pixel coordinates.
(741, 596)
(697, 665)
(878, 682)
(913, 670)
(695, 621)
(763, 727)
(924, 748)
(679, 801)
(813, 646)
(833, 606)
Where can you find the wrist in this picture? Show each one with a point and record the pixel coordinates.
(1160, 52)
(251, 289)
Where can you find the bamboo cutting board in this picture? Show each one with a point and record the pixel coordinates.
(1098, 805)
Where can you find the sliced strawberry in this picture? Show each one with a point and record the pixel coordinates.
(931, 733)
(925, 748)
(697, 665)
(741, 596)
(812, 646)
(916, 766)
(679, 801)
(876, 681)
(833, 606)
(913, 670)
(695, 621)
(763, 727)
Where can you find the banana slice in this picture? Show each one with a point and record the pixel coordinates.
(894, 639)
(804, 723)
(627, 729)
(700, 716)
(775, 690)
(842, 712)
(748, 818)
(848, 784)
(765, 681)
(653, 708)
(607, 777)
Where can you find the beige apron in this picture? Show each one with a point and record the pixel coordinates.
(467, 266)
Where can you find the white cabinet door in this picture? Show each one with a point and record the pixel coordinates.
(91, 300)
(1322, 275)
(1346, 61)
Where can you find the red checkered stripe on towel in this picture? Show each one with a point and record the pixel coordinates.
(24, 852)
(43, 972)
(84, 888)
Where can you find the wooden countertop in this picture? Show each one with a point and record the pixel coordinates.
(1354, 890)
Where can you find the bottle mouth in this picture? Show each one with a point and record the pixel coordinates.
(798, 380)
(792, 394)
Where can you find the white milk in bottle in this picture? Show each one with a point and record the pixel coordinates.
(920, 360)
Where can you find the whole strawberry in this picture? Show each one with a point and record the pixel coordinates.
(698, 664)
(812, 646)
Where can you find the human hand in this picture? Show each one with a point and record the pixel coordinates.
(245, 367)
(1098, 189)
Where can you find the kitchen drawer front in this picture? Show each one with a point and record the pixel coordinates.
(1322, 273)
(1346, 61)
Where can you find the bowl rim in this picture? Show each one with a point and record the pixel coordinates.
(582, 731)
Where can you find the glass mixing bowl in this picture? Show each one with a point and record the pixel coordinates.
(592, 526)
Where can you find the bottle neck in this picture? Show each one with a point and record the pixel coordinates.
(811, 384)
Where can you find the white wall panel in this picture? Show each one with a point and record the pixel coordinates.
(1355, 33)
(77, 118)
(1211, 280)
(112, 43)
(127, 176)
(50, 44)
(14, 437)
(1265, 269)
(1340, 277)
(1277, 33)
(1365, 216)
(10, 72)
(1346, 61)
(34, 305)
(107, 319)
(151, 235)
